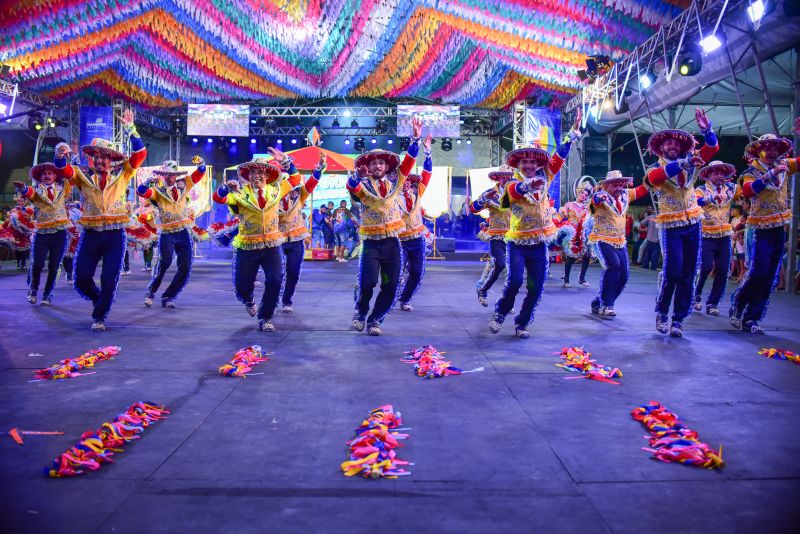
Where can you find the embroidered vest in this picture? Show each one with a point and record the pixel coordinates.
(609, 221)
(412, 220)
(290, 222)
(770, 207)
(258, 227)
(381, 216)
(104, 209)
(716, 222)
(173, 214)
(677, 206)
(51, 215)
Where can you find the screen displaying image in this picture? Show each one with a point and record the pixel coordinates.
(440, 121)
(218, 119)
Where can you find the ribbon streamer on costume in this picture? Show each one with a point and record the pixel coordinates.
(243, 361)
(429, 363)
(96, 448)
(578, 360)
(781, 354)
(69, 368)
(372, 452)
(671, 441)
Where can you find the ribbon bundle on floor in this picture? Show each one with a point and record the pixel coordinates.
(96, 448)
(781, 354)
(429, 363)
(69, 367)
(372, 451)
(578, 360)
(243, 361)
(671, 441)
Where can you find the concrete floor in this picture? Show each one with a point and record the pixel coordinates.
(513, 448)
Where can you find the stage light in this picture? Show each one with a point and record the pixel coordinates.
(447, 144)
(347, 141)
(380, 128)
(194, 140)
(469, 141)
(647, 79)
(690, 64)
(36, 121)
(209, 140)
(279, 141)
(373, 141)
(710, 43)
(51, 122)
(756, 10)
(389, 141)
(252, 141)
(253, 121)
(404, 143)
(607, 103)
(316, 123)
(360, 145)
(458, 141)
(354, 123)
(233, 141)
(347, 113)
(461, 121)
(335, 123)
(294, 141)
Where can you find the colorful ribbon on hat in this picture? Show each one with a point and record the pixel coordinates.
(781, 354)
(96, 448)
(671, 441)
(69, 367)
(429, 363)
(372, 452)
(243, 361)
(578, 360)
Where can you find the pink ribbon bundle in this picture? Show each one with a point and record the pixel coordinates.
(671, 441)
(96, 448)
(372, 452)
(69, 367)
(781, 354)
(243, 361)
(429, 363)
(577, 360)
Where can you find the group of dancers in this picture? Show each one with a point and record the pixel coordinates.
(268, 197)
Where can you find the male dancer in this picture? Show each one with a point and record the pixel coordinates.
(381, 255)
(530, 230)
(715, 197)
(48, 193)
(495, 232)
(293, 227)
(257, 245)
(412, 236)
(765, 183)
(73, 238)
(104, 216)
(576, 214)
(22, 226)
(672, 181)
(609, 207)
(168, 192)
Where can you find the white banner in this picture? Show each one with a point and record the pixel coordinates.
(436, 199)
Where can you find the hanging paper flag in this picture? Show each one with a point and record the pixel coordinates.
(313, 136)
(372, 451)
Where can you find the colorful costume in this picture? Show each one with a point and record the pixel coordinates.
(104, 218)
(715, 199)
(576, 215)
(679, 216)
(768, 192)
(496, 228)
(412, 237)
(174, 238)
(21, 225)
(73, 238)
(608, 237)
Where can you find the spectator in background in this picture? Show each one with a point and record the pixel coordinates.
(327, 226)
(317, 223)
(640, 229)
(652, 251)
(341, 229)
(445, 226)
(738, 221)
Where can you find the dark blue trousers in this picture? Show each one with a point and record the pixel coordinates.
(381, 260)
(522, 258)
(52, 247)
(681, 249)
(246, 264)
(497, 250)
(652, 254)
(751, 298)
(96, 245)
(414, 252)
(169, 245)
(293, 252)
(569, 261)
(615, 274)
(716, 256)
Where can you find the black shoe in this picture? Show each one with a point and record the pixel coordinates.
(676, 330)
(752, 327)
(661, 324)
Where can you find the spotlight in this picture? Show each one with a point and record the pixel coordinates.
(710, 43)
(404, 143)
(194, 140)
(252, 141)
(373, 141)
(294, 141)
(233, 140)
(317, 123)
(390, 141)
(347, 113)
(469, 141)
(354, 123)
(458, 141)
(347, 141)
(36, 121)
(380, 128)
(335, 123)
(756, 10)
(51, 122)
(647, 79)
(360, 145)
(447, 144)
(253, 121)
(279, 141)
(690, 64)
(461, 121)
(209, 140)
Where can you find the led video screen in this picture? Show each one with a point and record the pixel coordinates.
(440, 121)
(218, 119)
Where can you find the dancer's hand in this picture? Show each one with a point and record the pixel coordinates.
(362, 171)
(127, 117)
(279, 156)
(416, 127)
(696, 161)
(232, 185)
(702, 119)
(19, 185)
(427, 144)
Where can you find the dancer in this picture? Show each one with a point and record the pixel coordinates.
(21, 225)
(257, 244)
(576, 214)
(496, 228)
(144, 216)
(48, 193)
(168, 192)
(104, 215)
(765, 183)
(381, 254)
(672, 181)
(715, 197)
(609, 207)
(412, 237)
(530, 230)
(294, 229)
(73, 238)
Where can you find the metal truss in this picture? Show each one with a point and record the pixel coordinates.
(22, 95)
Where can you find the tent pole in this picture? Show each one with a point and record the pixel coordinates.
(764, 89)
(739, 96)
(791, 257)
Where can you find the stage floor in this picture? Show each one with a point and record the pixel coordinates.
(515, 447)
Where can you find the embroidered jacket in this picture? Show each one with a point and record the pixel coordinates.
(499, 219)
(172, 212)
(768, 194)
(409, 202)
(609, 215)
(290, 212)
(51, 215)
(716, 204)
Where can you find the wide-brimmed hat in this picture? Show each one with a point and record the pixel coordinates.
(615, 177)
(584, 182)
(504, 172)
(686, 140)
(754, 148)
(392, 160)
(271, 171)
(169, 168)
(727, 168)
(541, 156)
(103, 147)
(413, 178)
(37, 170)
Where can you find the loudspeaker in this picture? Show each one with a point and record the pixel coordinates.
(446, 244)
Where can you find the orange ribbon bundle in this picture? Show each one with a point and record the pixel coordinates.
(671, 441)
(69, 367)
(372, 451)
(429, 363)
(578, 360)
(781, 354)
(96, 448)
(243, 361)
